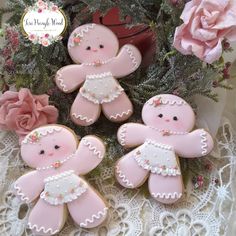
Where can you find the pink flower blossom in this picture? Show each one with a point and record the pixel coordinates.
(45, 42)
(54, 8)
(32, 37)
(22, 112)
(206, 24)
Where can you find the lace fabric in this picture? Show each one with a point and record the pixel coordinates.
(204, 211)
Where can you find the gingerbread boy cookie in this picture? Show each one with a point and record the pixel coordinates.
(94, 48)
(165, 135)
(59, 161)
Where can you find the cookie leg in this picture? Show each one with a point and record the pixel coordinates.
(165, 189)
(118, 110)
(89, 210)
(46, 219)
(83, 112)
(128, 173)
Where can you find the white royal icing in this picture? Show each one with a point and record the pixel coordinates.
(167, 195)
(81, 117)
(158, 158)
(170, 132)
(92, 148)
(39, 229)
(63, 188)
(94, 217)
(52, 166)
(61, 82)
(43, 131)
(123, 177)
(80, 34)
(20, 193)
(166, 101)
(132, 57)
(123, 135)
(101, 88)
(203, 142)
(97, 63)
(120, 115)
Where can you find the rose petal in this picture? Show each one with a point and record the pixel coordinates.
(214, 54)
(188, 11)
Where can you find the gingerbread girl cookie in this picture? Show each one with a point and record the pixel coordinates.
(59, 161)
(94, 48)
(165, 135)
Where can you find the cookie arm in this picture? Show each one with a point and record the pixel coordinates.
(69, 78)
(89, 154)
(29, 186)
(195, 144)
(132, 134)
(126, 62)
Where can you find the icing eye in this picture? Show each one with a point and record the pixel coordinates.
(160, 115)
(101, 46)
(56, 147)
(41, 152)
(175, 118)
(88, 48)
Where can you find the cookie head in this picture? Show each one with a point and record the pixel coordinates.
(47, 145)
(168, 112)
(91, 43)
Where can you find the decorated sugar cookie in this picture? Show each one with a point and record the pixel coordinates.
(165, 135)
(59, 162)
(94, 48)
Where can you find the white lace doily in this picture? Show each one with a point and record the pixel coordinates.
(204, 211)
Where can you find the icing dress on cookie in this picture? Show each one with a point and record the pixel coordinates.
(165, 135)
(94, 48)
(59, 162)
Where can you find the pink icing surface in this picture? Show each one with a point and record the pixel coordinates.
(168, 121)
(53, 150)
(96, 48)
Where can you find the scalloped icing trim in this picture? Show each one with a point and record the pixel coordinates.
(203, 143)
(20, 194)
(92, 148)
(99, 76)
(43, 131)
(173, 195)
(85, 90)
(165, 101)
(69, 197)
(81, 34)
(132, 57)
(110, 99)
(59, 176)
(61, 82)
(123, 135)
(42, 228)
(123, 178)
(94, 217)
(81, 117)
(120, 115)
(157, 170)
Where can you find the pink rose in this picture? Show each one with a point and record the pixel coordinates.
(54, 8)
(206, 24)
(22, 112)
(45, 42)
(32, 37)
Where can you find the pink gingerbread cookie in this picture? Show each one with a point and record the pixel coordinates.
(94, 48)
(165, 135)
(59, 161)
